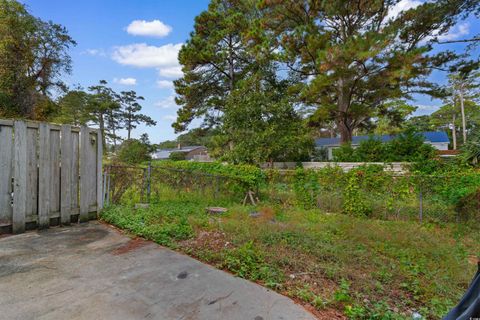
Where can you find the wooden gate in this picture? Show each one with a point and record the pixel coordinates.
(49, 174)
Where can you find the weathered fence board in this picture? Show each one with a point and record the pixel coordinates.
(6, 173)
(66, 174)
(32, 172)
(54, 173)
(75, 171)
(19, 177)
(44, 176)
(48, 174)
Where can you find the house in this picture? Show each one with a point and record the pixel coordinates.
(191, 152)
(438, 139)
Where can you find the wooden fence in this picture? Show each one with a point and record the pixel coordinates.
(49, 174)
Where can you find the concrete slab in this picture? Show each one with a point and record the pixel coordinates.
(92, 271)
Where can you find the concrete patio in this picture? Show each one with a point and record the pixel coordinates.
(92, 271)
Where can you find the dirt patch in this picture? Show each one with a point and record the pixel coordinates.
(130, 246)
(214, 240)
(473, 260)
(327, 314)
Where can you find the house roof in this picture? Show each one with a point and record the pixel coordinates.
(165, 153)
(430, 136)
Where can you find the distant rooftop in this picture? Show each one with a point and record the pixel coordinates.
(165, 153)
(430, 136)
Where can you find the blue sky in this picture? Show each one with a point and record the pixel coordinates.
(105, 50)
(133, 45)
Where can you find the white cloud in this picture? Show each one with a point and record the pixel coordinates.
(167, 103)
(144, 56)
(125, 81)
(155, 28)
(401, 6)
(164, 84)
(171, 72)
(457, 32)
(170, 117)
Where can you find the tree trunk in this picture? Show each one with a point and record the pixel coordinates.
(101, 124)
(342, 120)
(454, 132)
(345, 131)
(464, 125)
(230, 63)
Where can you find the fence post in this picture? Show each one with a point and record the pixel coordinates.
(84, 141)
(100, 190)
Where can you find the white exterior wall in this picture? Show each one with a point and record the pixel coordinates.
(439, 145)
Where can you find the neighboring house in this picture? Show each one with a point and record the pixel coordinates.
(191, 152)
(438, 139)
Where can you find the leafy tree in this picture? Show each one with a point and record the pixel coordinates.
(392, 116)
(72, 108)
(420, 123)
(131, 108)
(33, 56)
(145, 139)
(464, 87)
(354, 55)
(102, 105)
(133, 151)
(214, 59)
(262, 125)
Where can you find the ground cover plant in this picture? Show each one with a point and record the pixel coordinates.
(344, 262)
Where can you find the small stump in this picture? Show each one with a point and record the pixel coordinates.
(216, 210)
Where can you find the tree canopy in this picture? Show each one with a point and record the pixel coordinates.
(33, 56)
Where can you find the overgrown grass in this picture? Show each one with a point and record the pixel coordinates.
(364, 268)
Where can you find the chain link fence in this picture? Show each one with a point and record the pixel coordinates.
(362, 192)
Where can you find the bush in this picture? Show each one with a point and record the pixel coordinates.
(133, 152)
(406, 147)
(177, 156)
(248, 176)
(345, 153)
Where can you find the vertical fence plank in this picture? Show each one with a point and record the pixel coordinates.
(91, 151)
(66, 174)
(20, 177)
(84, 142)
(75, 169)
(6, 173)
(44, 175)
(100, 190)
(32, 172)
(54, 172)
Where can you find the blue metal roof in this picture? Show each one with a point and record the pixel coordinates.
(430, 136)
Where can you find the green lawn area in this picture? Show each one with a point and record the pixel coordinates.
(336, 264)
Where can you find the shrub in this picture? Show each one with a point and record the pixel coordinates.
(345, 153)
(406, 147)
(177, 156)
(247, 176)
(133, 152)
